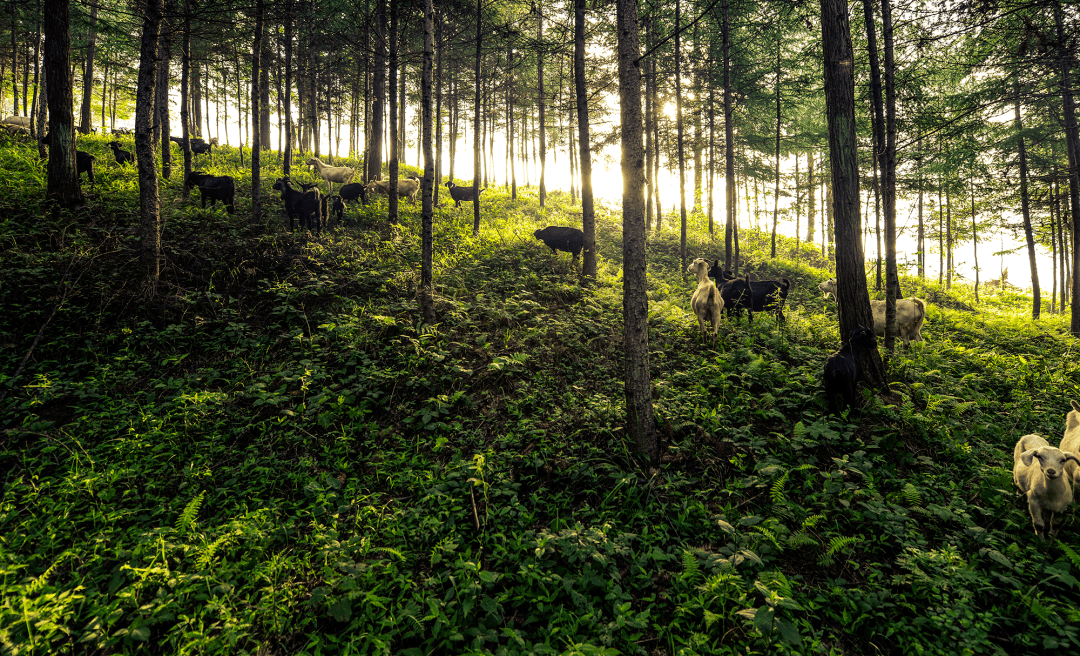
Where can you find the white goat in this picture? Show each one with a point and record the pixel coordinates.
(1070, 443)
(22, 121)
(406, 187)
(706, 301)
(1043, 483)
(331, 174)
(910, 313)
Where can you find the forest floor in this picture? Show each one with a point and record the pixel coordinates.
(271, 454)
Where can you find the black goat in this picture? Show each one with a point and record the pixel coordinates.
(122, 156)
(843, 371)
(558, 238)
(198, 146)
(758, 296)
(214, 187)
(466, 193)
(84, 163)
(303, 206)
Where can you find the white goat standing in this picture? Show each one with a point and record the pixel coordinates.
(706, 300)
(1070, 443)
(331, 174)
(910, 313)
(1039, 472)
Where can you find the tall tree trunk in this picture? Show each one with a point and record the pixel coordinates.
(88, 71)
(648, 79)
(975, 242)
(265, 62)
(15, 57)
(63, 180)
(852, 296)
(257, 74)
(948, 239)
(42, 115)
(892, 277)
(427, 302)
(161, 92)
(1029, 236)
(588, 213)
(195, 96)
(921, 239)
(729, 144)
(776, 190)
(149, 207)
(373, 160)
(35, 133)
(1072, 139)
(438, 112)
(476, 119)
(510, 120)
(640, 420)
(679, 135)
(290, 129)
(392, 86)
(712, 158)
(185, 66)
(541, 100)
(695, 118)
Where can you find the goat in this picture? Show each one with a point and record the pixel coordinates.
(331, 174)
(559, 238)
(1070, 442)
(1044, 484)
(462, 193)
(706, 300)
(120, 132)
(910, 314)
(215, 188)
(349, 193)
(21, 121)
(756, 296)
(122, 156)
(16, 130)
(406, 187)
(843, 370)
(304, 206)
(84, 163)
(198, 146)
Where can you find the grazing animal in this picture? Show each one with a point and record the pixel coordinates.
(843, 370)
(84, 163)
(462, 193)
(754, 296)
(331, 174)
(304, 206)
(1070, 443)
(706, 300)
(1039, 473)
(406, 187)
(559, 238)
(21, 121)
(122, 156)
(910, 314)
(17, 130)
(214, 188)
(198, 146)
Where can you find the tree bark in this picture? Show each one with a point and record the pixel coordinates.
(1025, 205)
(374, 153)
(63, 179)
(88, 71)
(195, 96)
(640, 421)
(392, 85)
(438, 112)
(15, 56)
(185, 66)
(776, 189)
(975, 242)
(476, 119)
(679, 136)
(588, 212)
(510, 120)
(648, 123)
(892, 277)
(161, 102)
(541, 100)
(290, 129)
(149, 208)
(427, 302)
(852, 296)
(1072, 139)
(257, 74)
(265, 59)
(730, 234)
(42, 114)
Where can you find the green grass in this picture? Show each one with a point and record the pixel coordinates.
(273, 455)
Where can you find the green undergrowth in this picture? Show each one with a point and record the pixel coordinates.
(270, 452)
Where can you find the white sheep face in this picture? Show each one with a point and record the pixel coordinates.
(1051, 460)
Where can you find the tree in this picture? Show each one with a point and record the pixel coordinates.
(256, 123)
(479, 26)
(289, 127)
(852, 296)
(639, 413)
(149, 208)
(63, 179)
(426, 286)
(588, 212)
(392, 119)
(541, 100)
(161, 102)
(373, 159)
(88, 71)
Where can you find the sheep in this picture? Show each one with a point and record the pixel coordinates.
(910, 314)
(706, 300)
(331, 174)
(462, 193)
(1046, 487)
(122, 156)
(305, 206)
(215, 188)
(1070, 442)
(406, 187)
(558, 238)
(756, 296)
(21, 121)
(843, 370)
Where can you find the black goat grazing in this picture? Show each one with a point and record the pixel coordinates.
(466, 193)
(122, 156)
(843, 371)
(558, 238)
(349, 193)
(756, 296)
(198, 146)
(304, 206)
(214, 187)
(84, 163)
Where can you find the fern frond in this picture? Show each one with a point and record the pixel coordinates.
(1070, 554)
(191, 511)
(206, 556)
(772, 538)
(691, 569)
(912, 496)
(811, 521)
(777, 491)
(389, 550)
(842, 543)
(39, 583)
(800, 539)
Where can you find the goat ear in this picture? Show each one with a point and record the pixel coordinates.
(1075, 405)
(1070, 456)
(1026, 457)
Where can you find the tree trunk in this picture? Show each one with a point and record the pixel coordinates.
(712, 159)
(852, 296)
(648, 80)
(541, 101)
(776, 190)
(476, 119)
(41, 114)
(1029, 236)
(679, 137)
(640, 421)
(63, 179)
(730, 230)
(810, 228)
(438, 115)
(892, 277)
(195, 96)
(588, 213)
(695, 118)
(510, 120)
(257, 74)
(149, 207)
(161, 103)
(185, 66)
(975, 243)
(265, 59)
(392, 119)
(921, 239)
(88, 71)
(427, 291)
(373, 160)
(290, 129)
(15, 56)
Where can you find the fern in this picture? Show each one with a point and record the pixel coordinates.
(912, 496)
(39, 583)
(1072, 556)
(800, 539)
(191, 511)
(836, 545)
(691, 568)
(207, 554)
(777, 491)
(811, 521)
